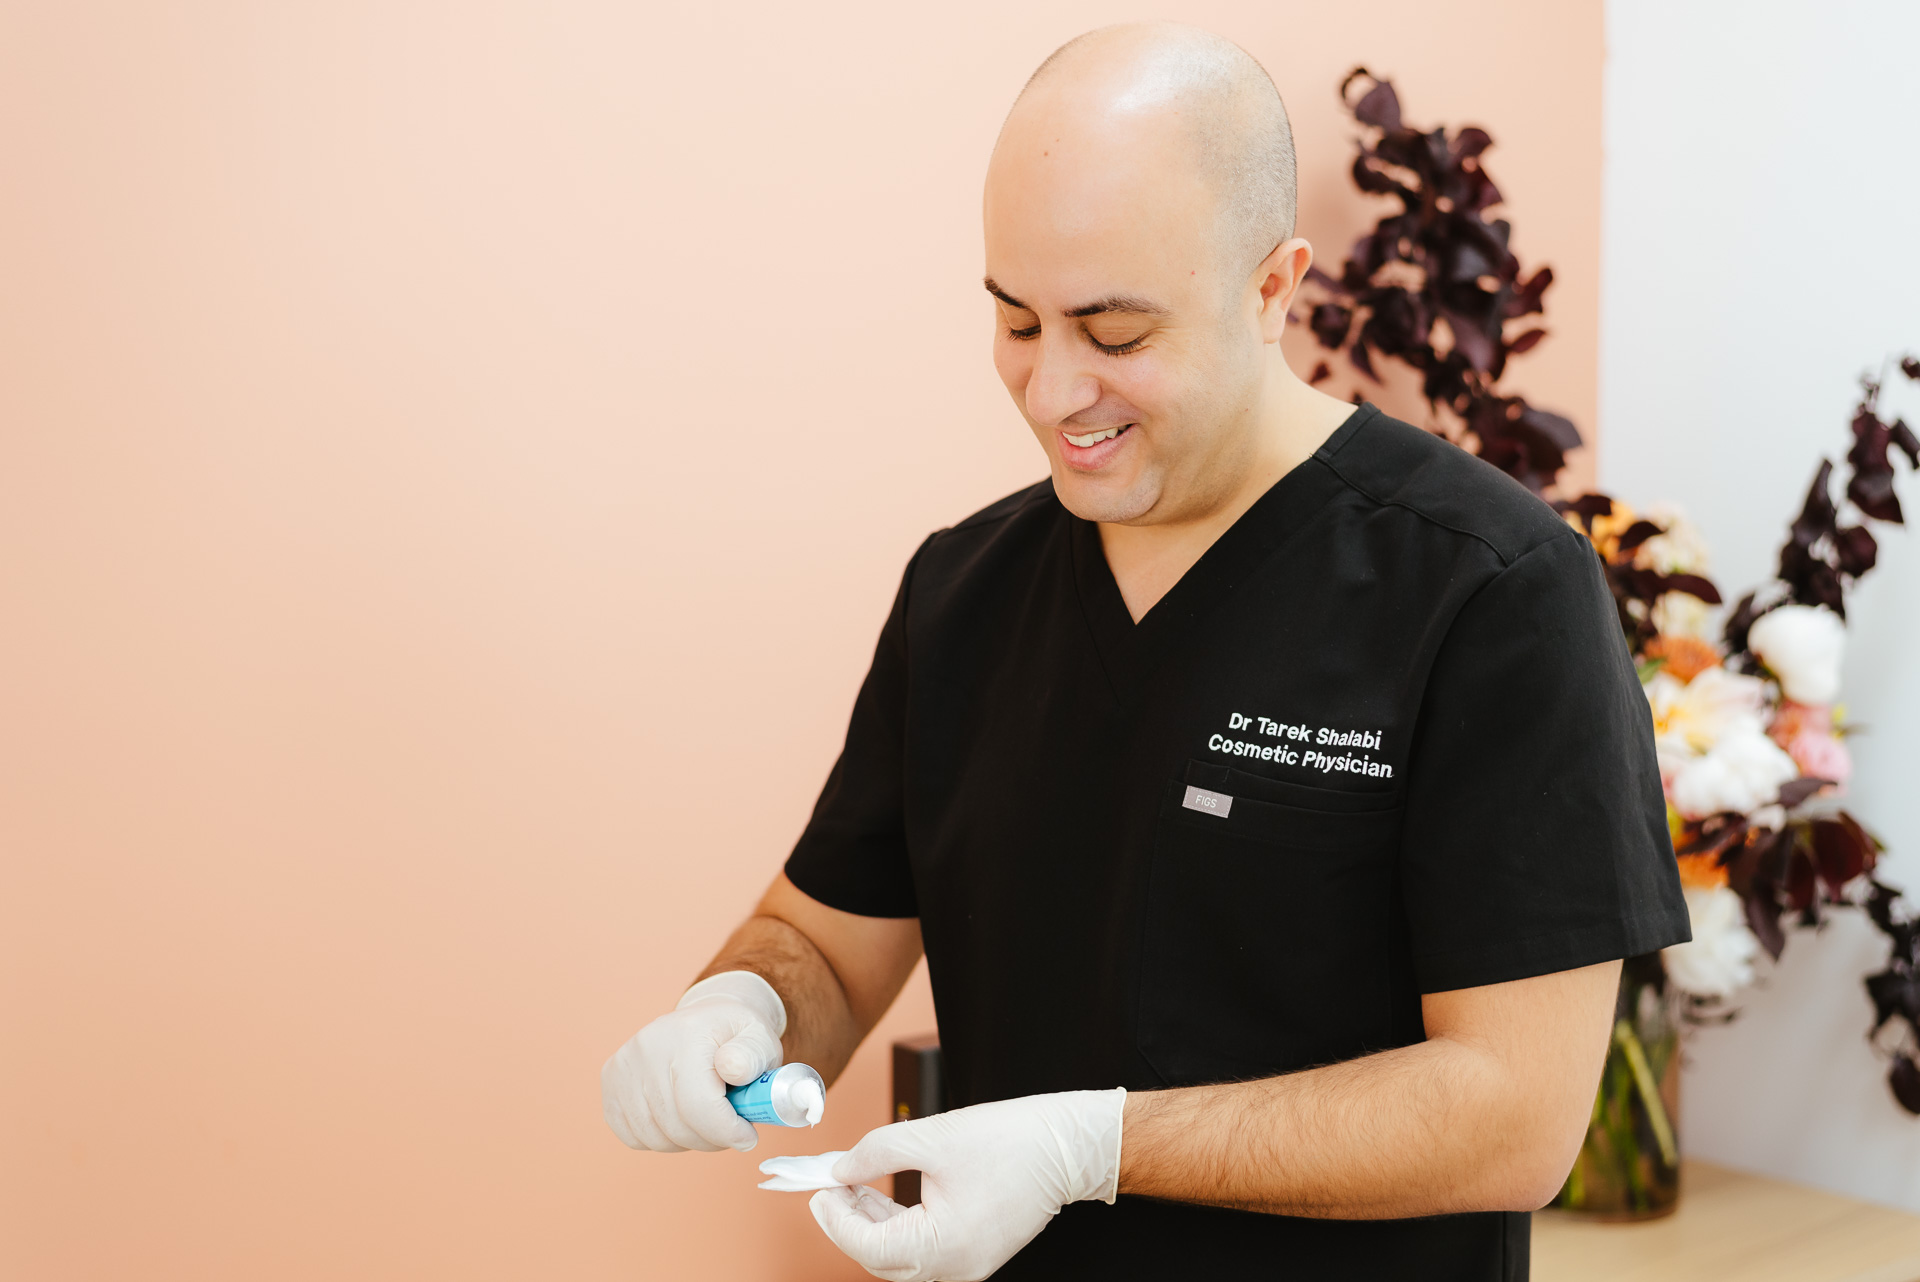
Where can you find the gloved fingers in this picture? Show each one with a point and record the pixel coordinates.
(651, 1137)
(624, 1106)
(874, 1204)
(657, 1090)
(747, 1049)
(890, 1248)
(700, 1102)
(616, 1117)
(617, 1122)
(901, 1146)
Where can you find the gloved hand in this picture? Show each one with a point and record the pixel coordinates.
(992, 1176)
(666, 1089)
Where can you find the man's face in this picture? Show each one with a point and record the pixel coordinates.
(1133, 356)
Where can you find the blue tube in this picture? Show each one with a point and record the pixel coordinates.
(770, 1099)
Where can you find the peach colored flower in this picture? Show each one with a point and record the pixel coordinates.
(1791, 720)
(1821, 755)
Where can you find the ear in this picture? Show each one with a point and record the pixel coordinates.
(1277, 280)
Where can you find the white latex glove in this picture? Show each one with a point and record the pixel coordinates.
(666, 1089)
(992, 1176)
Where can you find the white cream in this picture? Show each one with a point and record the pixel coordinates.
(806, 1095)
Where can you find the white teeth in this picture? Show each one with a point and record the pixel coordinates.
(1093, 438)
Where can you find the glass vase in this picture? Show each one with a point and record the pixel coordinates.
(1629, 1164)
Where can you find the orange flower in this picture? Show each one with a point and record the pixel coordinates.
(1686, 657)
(1702, 872)
(1607, 529)
(1697, 872)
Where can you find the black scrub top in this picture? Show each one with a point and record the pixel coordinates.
(1383, 739)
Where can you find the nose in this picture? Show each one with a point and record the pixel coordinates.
(1060, 385)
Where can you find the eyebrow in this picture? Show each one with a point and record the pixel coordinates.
(1129, 303)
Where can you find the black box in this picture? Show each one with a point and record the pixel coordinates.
(919, 1090)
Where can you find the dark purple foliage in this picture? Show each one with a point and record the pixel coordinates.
(1803, 868)
(1634, 589)
(1895, 991)
(1821, 556)
(1810, 864)
(1435, 284)
(1817, 860)
(1904, 1077)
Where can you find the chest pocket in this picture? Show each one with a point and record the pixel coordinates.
(1267, 929)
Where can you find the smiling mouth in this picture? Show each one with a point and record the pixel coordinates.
(1094, 438)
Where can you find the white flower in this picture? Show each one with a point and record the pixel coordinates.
(1741, 772)
(1719, 958)
(1689, 717)
(1677, 549)
(1802, 645)
(1681, 614)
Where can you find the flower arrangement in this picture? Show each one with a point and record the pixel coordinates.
(1753, 760)
(1751, 736)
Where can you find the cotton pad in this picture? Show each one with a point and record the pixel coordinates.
(800, 1174)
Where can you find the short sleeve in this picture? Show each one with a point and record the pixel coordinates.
(853, 854)
(1535, 837)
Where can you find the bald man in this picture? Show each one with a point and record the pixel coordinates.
(1270, 790)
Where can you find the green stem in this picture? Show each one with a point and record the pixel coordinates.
(1629, 1044)
(1575, 1193)
(1623, 1134)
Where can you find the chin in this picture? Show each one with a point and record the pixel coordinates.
(1104, 499)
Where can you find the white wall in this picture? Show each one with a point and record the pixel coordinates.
(1762, 247)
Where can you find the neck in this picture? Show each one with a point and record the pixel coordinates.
(1293, 420)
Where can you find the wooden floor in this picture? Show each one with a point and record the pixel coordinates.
(1736, 1227)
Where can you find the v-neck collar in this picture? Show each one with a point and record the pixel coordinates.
(1130, 651)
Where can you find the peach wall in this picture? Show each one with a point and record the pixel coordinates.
(453, 462)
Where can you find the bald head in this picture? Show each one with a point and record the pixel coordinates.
(1220, 107)
(1138, 219)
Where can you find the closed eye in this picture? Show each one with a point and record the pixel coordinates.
(1119, 349)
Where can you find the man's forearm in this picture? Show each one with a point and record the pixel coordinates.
(1485, 1115)
(821, 1028)
(1414, 1131)
(836, 972)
